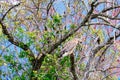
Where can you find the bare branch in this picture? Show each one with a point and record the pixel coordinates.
(4, 49)
(94, 51)
(110, 8)
(110, 17)
(54, 46)
(103, 15)
(49, 5)
(104, 19)
(108, 42)
(10, 37)
(100, 57)
(9, 11)
(109, 75)
(17, 43)
(98, 3)
(102, 23)
(72, 69)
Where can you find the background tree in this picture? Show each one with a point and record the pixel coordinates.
(33, 32)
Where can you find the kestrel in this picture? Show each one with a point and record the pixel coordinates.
(69, 47)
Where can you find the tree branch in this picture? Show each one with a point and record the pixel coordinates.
(72, 68)
(103, 15)
(110, 8)
(10, 36)
(9, 11)
(110, 75)
(94, 51)
(49, 6)
(17, 43)
(108, 42)
(54, 46)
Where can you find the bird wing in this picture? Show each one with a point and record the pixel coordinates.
(68, 47)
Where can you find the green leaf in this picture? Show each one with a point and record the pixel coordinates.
(19, 67)
(23, 54)
(16, 78)
(0, 30)
(1, 61)
(8, 58)
(72, 26)
(31, 41)
(100, 34)
(64, 60)
(82, 66)
(57, 19)
(49, 23)
(31, 34)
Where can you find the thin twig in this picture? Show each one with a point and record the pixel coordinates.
(4, 49)
(9, 11)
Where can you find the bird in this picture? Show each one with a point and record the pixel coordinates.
(69, 47)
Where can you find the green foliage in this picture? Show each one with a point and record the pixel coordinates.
(33, 28)
(16, 78)
(32, 35)
(50, 75)
(82, 66)
(50, 23)
(73, 26)
(51, 69)
(20, 32)
(54, 22)
(112, 78)
(57, 19)
(19, 66)
(65, 61)
(97, 33)
(47, 36)
(48, 71)
(0, 30)
(8, 58)
(23, 54)
(31, 41)
(1, 61)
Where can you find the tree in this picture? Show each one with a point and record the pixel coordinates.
(33, 33)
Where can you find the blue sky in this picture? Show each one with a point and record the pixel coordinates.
(60, 8)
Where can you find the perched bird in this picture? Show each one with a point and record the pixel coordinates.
(69, 47)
